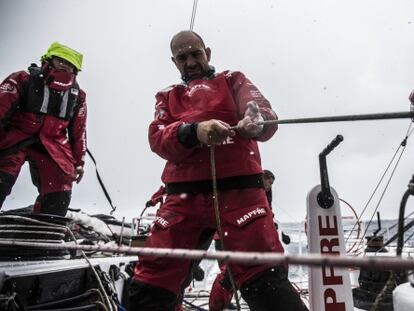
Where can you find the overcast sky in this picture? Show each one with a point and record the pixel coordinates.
(309, 58)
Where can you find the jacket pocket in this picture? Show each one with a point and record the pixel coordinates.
(165, 219)
(243, 217)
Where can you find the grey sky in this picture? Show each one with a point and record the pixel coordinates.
(309, 58)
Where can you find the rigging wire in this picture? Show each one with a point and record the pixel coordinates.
(402, 144)
(396, 224)
(407, 239)
(407, 226)
(193, 14)
(395, 277)
(279, 208)
(351, 249)
(382, 195)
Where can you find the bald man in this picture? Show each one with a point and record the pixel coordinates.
(190, 117)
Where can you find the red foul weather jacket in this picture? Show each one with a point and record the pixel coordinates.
(223, 97)
(62, 132)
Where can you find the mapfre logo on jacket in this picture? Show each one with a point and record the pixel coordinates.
(252, 214)
(162, 222)
(198, 87)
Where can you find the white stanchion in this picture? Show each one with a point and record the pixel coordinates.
(403, 297)
(329, 286)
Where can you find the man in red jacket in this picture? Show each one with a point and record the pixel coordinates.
(190, 117)
(43, 121)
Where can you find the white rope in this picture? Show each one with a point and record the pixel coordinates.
(391, 263)
(25, 226)
(34, 240)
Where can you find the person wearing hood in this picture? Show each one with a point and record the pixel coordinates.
(190, 117)
(43, 122)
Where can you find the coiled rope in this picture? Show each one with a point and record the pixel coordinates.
(59, 246)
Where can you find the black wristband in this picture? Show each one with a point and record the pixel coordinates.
(187, 135)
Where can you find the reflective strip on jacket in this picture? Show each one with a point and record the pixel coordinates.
(65, 140)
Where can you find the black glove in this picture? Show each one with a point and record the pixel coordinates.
(285, 238)
(198, 274)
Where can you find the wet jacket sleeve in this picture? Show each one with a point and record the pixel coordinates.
(77, 132)
(245, 91)
(163, 133)
(10, 94)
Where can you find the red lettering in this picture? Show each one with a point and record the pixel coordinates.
(328, 230)
(328, 245)
(332, 304)
(327, 248)
(331, 279)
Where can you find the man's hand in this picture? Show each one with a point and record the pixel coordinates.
(79, 174)
(213, 132)
(247, 127)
